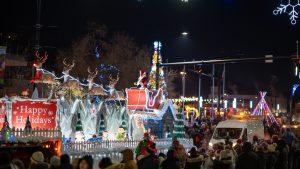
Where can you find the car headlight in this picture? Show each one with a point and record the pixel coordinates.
(233, 144)
(210, 144)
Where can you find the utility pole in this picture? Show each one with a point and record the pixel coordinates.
(199, 91)
(213, 91)
(183, 73)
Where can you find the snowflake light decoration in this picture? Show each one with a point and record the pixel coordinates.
(290, 8)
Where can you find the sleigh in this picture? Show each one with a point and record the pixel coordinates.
(143, 99)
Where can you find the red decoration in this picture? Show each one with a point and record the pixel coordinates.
(2, 111)
(42, 114)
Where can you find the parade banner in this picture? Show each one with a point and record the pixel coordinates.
(2, 111)
(42, 114)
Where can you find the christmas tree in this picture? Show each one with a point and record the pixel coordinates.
(156, 59)
(79, 136)
(179, 126)
(5, 131)
(101, 125)
(28, 127)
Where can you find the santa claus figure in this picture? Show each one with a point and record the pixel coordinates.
(143, 80)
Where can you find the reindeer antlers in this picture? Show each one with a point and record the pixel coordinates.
(69, 65)
(93, 74)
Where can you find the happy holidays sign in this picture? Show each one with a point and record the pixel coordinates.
(42, 114)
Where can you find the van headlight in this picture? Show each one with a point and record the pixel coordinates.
(210, 144)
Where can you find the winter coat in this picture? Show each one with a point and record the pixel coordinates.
(208, 163)
(116, 166)
(194, 163)
(272, 158)
(148, 162)
(263, 158)
(282, 162)
(225, 163)
(247, 160)
(170, 164)
(128, 160)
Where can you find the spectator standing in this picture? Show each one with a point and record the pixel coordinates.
(171, 162)
(85, 162)
(194, 161)
(128, 159)
(65, 162)
(149, 160)
(247, 159)
(272, 158)
(282, 162)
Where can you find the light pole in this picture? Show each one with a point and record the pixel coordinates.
(199, 91)
(183, 74)
(213, 91)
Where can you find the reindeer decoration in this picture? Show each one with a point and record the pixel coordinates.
(67, 69)
(112, 84)
(39, 61)
(91, 77)
(113, 81)
(94, 89)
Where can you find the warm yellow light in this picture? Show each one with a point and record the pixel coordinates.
(242, 114)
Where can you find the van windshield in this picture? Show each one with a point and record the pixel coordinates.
(231, 133)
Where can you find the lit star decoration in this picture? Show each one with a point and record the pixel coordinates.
(290, 8)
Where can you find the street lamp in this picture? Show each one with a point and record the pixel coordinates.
(184, 33)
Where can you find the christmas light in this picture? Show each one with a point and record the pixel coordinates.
(295, 86)
(291, 8)
(234, 103)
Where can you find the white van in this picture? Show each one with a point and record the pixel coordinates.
(243, 129)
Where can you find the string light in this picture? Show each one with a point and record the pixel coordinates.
(290, 8)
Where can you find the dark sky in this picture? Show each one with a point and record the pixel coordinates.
(217, 29)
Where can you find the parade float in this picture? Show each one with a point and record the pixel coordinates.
(89, 117)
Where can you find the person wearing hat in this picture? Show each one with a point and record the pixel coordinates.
(37, 157)
(145, 143)
(37, 161)
(128, 159)
(194, 161)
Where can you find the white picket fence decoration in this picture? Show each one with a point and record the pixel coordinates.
(36, 134)
(112, 148)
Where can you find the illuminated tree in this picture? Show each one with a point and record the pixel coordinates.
(157, 59)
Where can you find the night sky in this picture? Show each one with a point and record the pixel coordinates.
(217, 29)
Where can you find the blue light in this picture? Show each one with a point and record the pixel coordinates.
(97, 52)
(290, 9)
(295, 86)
